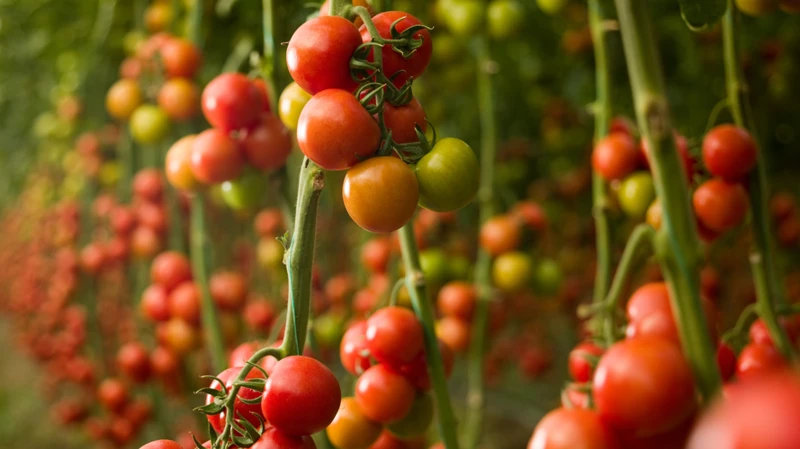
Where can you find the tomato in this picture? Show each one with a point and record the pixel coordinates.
(375, 254)
(531, 214)
(157, 17)
(416, 372)
(133, 361)
(249, 412)
(269, 223)
(145, 242)
(263, 92)
(757, 359)
(729, 152)
(383, 395)
(112, 394)
(671, 439)
(500, 235)
(184, 303)
(505, 18)
(154, 303)
(169, 269)
(551, 7)
(275, 439)
(259, 314)
(180, 58)
(457, 299)
(720, 206)
(178, 164)
(682, 146)
(512, 271)
(148, 185)
(353, 350)
(448, 176)
(463, 18)
(302, 396)
(417, 420)
(395, 66)
(179, 98)
(231, 102)
(581, 367)
(375, 183)
(149, 124)
(756, 8)
(92, 258)
(216, 157)
(351, 429)
(650, 313)
(162, 444)
(401, 121)
(152, 216)
(319, 52)
(782, 206)
(267, 146)
(242, 353)
(434, 266)
(394, 336)
(726, 361)
(228, 290)
(246, 192)
(123, 98)
(572, 429)
(335, 131)
(177, 335)
(547, 277)
(454, 332)
(615, 156)
(654, 214)
(291, 103)
(636, 193)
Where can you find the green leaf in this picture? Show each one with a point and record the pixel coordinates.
(701, 14)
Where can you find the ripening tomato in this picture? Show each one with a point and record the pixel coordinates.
(757, 359)
(729, 152)
(149, 124)
(457, 299)
(112, 394)
(319, 52)
(291, 103)
(448, 176)
(158, 16)
(181, 58)
(145, 242)
(499, 235)
(418, 419)
(654, 214)
(184, 303)
(512, 271)
(133, 361)
(231, 102)
(757, 8)
(275, 439)
(572, 429)
(246, 192)
(614, 156)
(351, 429)
(504, 18)
(267, 146)
(169, 269)
(295, 383)
(402, 120)
(228, 289)
(644, 386)
(394, 335)
(580, 363)
(335, 131)
(551, 7)
(177, 335)
(454, 332)
(370, 186)
(162, 444)
(249, 412)
(383, 395)
(216, 157)
(178, 164)
(179, 98)
(720, 206)
(123, 98)
(635, 194)
(395, 66)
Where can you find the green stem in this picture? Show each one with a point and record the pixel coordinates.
(195, 23)
(602, 117)
(477, 350)
(338, 7)
(200, 257)
(299, 257)
(270, 20)
(415, 283)
(769, 285)
(677, 245)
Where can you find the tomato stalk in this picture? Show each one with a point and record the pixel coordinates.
(270, 20)
(769, 285)
(415, 284)
(483, 283)
(195, 22)
(338, 7)
(677, 244)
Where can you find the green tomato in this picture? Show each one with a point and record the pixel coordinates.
(547, 277)
(462, 17)
(448, 176)
(505, 18)
(460, 268)
(246, 192)
(149, 124)
(552, 7)
(132, 41)
(635, 194)
(417, 420)
(446, 49)
(328, 329)
(512, 271)
(757, 8)
(434, 265)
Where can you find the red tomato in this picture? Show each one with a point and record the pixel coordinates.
(383, 395)
(375, 254)
(572, 429)
(231, 102)
(335, 131)
(757, 359)
(729, 152)
(250, 412)
(531, 214)
(644, 386)
(388, 441)
(269, 223)
(457, 299)
(113, 394)
(184, 303)
(400, 120)
(302, 396)
(162, 444)
(395, 66)
(499, 235)
(169, 269)
(268, 145)
(671, 439)
(683, 151)
(319, 52)
(133, 361)
(180, 58)
(394, 335)
(580, 367)
(353, 350)
(216, 157)
(148, 184)
(275, 439)
(720, 206)
(154, 303)
(650, 313)
(615, 156)
(178, 164)
(261, 85)
(228, 290)
(726, 361)
(242, 353)
(259, 315)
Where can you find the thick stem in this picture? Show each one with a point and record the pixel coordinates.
(602, 120)
(677, 245)
(338, 7)
(768, 279)
(200, 257)
(299, 257)
(415, 284)
(477, 350)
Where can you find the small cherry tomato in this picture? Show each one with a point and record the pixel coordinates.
(380, 194)
(505, 18)
(180, 58)
(231, 102)
(179, 98)
(547, 277)
(571, 429)
(133, 361)
(319, 52)
(291, 103)
(228, 290)
(123, 98)
(351, 429)
(457, 299)
(581, 367)
(635, 194)
(394, 336)
(184, 303)
(614, 156)
(448, 176)
(454, 332)
(178, 164)
(353, 351)
(720, 206)
(757, 359)
(512, 271)
(249, 412)
(267, 146)
(401, 121)
(149, 124)
(396, 67)
(463, 18)
(499, 235)
(383, 395)
(729, 152)
(216, 157)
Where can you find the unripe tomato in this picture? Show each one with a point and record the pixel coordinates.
(512, 271)
(157, 17)
(180, 58)
(401, 121)
(267, 146)
(448, 176)
(231, 102)
(383, 395)
(123, 98)
(499, 235)
(380, 194)
(335, 131)
(149, 124)
(418, 419)
(551, 7)
(729, 152)
(178, 164)
(351, 429)
(635, 194)
(720, 206)
(319, 52)
(757, 8)
(246, 192)
(291, 103)
(505, 18)
(394, 336)
(396, 67)
(463, 17)
(216, 157)
(433, 262)
(572, 428)
(179, 98)
(614, 156)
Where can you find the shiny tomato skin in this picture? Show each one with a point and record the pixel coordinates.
(216, 157)
(614, 156)
(401, 120)
(572, 429)
(757, 359)
(178, 164)
(267, 146)
(580, 367)
(169, 269)
(162, 444)
(231, 102)
(351, 429)
(179, 98)
(394, 335)
(375, 183)
(296, 383)
(123, 98)
(448, 176)
(643, 386)
(353, 351)
(719, 205)
(394, 62)
(729, 152)
(384, 395)
(650, 313)
(273, 438)
(250, 412)
(291, 103)
(319, 52)
(181, 58)
(149, 124)
(335, 131)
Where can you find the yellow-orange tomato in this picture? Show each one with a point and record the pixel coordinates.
(179, 98)
(123, 98)
(351, 429)
(654, 214)
(178, 165)
(291, 103)
(499, 235)
(380, 194)
(157, 17)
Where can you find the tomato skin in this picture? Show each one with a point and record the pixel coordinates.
(351, 429)
(149, 124)
(353, 350)
(729, 152)
(184, 303)
(572, 429)
(296, 382)
(247, 411)
(228, 290)
(291, 103)
(371, 185)
(454, 332)
(580, 368)
(275, 439)
(179, 98)
(448, 175)
(394, 62)
(720, 206)
(458, 299)
(169, 269)
(123, 98)
(154, 303)
(756, 8)
(636, 193)
(614, 156)
(180, 58)
(216, 157)
(246, 192)
(112, 394)
(650, 313)
(319, 52)
(133, 361)
(643, 386)
(400, 120)
(267, 146)
(757, 359)
(512, 271)
(383, 395)
(394, 335)
(231, 102)
(263, 92)
(162, 444)
(499, 235)
(726, 361)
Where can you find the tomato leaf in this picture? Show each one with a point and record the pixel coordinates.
(701, 14)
